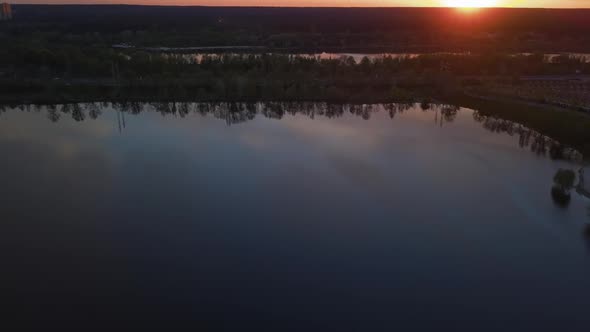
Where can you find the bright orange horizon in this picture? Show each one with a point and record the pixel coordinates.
(334, 3)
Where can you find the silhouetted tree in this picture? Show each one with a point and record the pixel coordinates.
(563, 182)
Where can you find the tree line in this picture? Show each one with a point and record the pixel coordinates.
(90, 74)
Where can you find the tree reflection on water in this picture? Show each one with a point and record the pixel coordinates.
(586, 232)
(563, 182)
(236, 112)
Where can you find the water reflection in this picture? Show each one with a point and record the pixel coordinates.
(581, 187)
(538, 143)
(586, 232)
(197, 58)
(235, 113)
(379, 219)
(563, 183)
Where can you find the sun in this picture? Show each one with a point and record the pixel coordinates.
(470, 3)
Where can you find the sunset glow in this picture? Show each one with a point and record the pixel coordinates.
(463, 4)
(470, 4)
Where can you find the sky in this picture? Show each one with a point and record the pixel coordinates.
(340, 3)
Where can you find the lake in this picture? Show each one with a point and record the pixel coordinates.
(292, 216)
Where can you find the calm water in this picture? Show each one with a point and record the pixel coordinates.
(287, 216)
(358, 57)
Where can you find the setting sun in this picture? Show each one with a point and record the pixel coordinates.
(470, 3)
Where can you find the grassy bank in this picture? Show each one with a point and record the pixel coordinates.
(567, 126)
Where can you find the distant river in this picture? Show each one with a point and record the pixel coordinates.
(291, 217)
(198, 57)
(196, 54)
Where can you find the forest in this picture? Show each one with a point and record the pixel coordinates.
(81, 52)
(67, 72)
(307, 29)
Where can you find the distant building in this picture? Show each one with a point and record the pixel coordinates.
(5, 12)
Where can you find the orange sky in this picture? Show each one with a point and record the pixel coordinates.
(339, 3)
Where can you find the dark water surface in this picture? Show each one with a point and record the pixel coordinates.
(312, 217)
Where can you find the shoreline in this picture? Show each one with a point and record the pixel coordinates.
(567, 126)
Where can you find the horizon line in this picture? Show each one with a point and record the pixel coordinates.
(286, 7)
